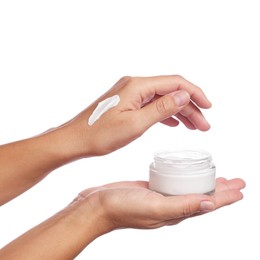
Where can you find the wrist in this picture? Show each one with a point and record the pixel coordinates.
(64, 235)
(91, 210)
(87, 221)
(66, 143)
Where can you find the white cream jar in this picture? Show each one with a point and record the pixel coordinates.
(182, 172)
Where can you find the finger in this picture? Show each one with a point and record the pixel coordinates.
(224, 185)
(192, 114)
(220, 179)
(186, 121)
(170, 122)
(227, 197)
(185, 206)
(163, 85)
(189, 115)
(163, 108)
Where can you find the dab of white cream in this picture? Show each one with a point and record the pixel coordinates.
(103, 107)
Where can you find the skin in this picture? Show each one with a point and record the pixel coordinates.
(99, 210)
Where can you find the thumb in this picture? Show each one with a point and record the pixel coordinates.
(186, 206)
(165, 107)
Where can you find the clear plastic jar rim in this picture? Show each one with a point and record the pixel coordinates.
(182, 157)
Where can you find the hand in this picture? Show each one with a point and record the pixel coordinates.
(143, 102)
(133, 205)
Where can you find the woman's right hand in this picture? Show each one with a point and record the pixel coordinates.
(143, 101)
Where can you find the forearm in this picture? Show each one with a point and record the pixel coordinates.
(63, 236)
(26, 162)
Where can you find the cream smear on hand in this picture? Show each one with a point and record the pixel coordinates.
(103, 107)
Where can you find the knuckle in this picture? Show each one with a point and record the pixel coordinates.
(199, 89)
(178, 77)
(187, 209)
(123, 81)
(187, 212)
(133, 82)
(129, 82)
(164, 105)
(125, 78)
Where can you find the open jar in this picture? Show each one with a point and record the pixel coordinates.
(182, 172)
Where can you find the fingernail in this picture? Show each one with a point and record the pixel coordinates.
(181, 98)
(207, 205)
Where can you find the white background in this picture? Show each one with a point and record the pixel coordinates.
(56, 57)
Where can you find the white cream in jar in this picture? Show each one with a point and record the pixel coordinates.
(182, 172)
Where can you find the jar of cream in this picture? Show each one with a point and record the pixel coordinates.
(182, 172)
